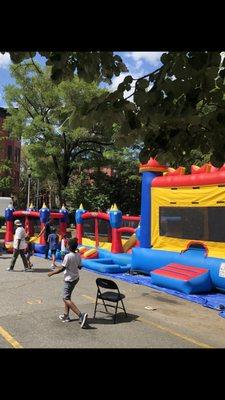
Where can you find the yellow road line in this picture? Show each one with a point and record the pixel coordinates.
(163, 328)
(172, 332)
(89, 298)
(6, 335)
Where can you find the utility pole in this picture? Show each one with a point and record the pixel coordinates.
(28, 190)
(37, 194)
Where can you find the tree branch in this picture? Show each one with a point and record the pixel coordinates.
(85, 150)
(26, 109)
(36, 67)
(30, 102)
(57, 169)
(95, 142)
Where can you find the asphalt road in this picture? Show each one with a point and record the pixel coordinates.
(31, 302)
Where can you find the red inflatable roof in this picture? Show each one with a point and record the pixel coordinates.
(196, 179)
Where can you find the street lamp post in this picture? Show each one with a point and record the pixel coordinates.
(28, 190)
(37, 194)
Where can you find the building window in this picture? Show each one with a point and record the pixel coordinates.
(10, 152)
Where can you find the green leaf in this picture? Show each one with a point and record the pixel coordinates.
(144, 155)
(222, 73)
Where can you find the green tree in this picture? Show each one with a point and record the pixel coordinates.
(5, 169)
(42, 180)
(5, 178)
(97, 188)
(177, 108)
(40, 113)
(90, 66)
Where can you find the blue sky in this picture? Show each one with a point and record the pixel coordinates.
(138, 63)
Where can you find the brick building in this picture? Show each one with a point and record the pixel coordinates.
(9, 150)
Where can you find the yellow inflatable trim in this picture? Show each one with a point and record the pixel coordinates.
(129, 243)
(82, 249)
(89, 253)
(102, 245)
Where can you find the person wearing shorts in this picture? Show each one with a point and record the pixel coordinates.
(70, 266)
(53, 240)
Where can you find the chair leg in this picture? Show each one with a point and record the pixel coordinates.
(96, 302)
(105, 305)
(115, 312)
(123, 307)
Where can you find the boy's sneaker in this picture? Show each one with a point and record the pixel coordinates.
(9, 269)
(64, 318)
(52, 267)
(83, 319)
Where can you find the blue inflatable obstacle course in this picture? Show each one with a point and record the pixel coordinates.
(108, 262)
(184, 278)
(104, 265)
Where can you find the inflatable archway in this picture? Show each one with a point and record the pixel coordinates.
(33, 222)
(115, 221)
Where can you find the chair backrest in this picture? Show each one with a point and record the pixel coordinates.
(106, 283)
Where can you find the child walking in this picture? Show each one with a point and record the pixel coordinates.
(70, 265)
(53, 240)
(29, 251)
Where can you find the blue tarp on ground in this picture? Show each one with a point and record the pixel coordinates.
(214, 300)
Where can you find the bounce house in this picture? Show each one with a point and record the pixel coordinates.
(182, 235)
(180, 242)
(33, 222)
(109, 252)
(179, 239)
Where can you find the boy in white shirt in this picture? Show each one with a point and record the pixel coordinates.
(70, 265)
(19, 246)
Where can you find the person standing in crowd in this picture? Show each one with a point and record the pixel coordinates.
(19, 246)
(29, 251)
(53, 240)
(46, 230)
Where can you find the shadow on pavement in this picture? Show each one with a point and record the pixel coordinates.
(121, 318)
(165, 300)
(6, 258)
(41, 269)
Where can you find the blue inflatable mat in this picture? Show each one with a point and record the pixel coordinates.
(212, 300)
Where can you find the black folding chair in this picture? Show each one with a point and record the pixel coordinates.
(109, 296)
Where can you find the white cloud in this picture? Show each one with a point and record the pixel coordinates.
(117, 80)
(136, 68)
(4, 60)
(151, 57)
